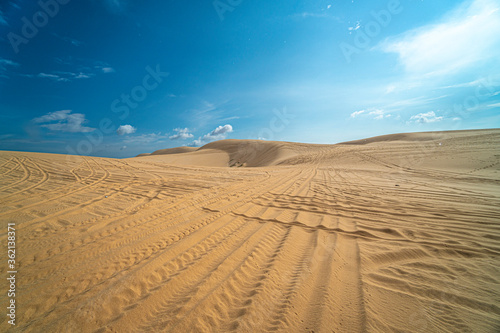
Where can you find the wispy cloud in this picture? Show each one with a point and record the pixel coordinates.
(494, 105)
(486, 83)
(306, 15)
(379, 114)
(4, 64)
(6, 136)
(52, 77)
(354, 27)
(83, 75)
(182, 134)
(412, 102)
(64, 121)
(7, 62)
(357, 113)
(467, 36)
(72, 41)
(230, 118)
(84, 72)
(2, 19)
(103, 67)
(146, 138)
(115, 6)
(390, 88)
(204, 114)
(64, 76)
(86, 66)
(309, 14)
(376, 114)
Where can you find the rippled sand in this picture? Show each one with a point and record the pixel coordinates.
(398, 233)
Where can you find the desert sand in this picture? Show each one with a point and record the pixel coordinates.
(399, 233)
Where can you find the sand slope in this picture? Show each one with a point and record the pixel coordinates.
(168, 151)
(235, 153)
(385, 236)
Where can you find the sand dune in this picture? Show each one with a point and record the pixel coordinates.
(237, 153)
(391, 234)
(420, 136)
(168, 151)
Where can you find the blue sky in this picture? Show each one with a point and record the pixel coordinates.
(117, 78)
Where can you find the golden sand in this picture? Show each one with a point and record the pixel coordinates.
(397, 233)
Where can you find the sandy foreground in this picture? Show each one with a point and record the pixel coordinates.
(398, 233)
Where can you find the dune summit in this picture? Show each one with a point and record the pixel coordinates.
(393, 233)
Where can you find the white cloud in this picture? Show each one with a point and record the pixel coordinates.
(355, 27)
(64, 121)
(468, 35)
(357, 113)
(424, 118)
(377, 113)
(219, 133)
(108, 70)
(494, 105)
(199, 142)
(53, 116)
(221, 130)
(182, 134)
(126, 129)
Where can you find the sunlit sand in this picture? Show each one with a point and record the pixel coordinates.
(394, 233)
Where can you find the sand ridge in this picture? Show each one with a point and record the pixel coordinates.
(387, 234)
